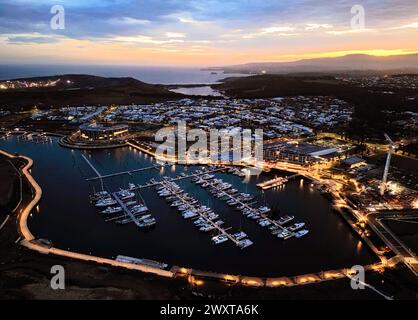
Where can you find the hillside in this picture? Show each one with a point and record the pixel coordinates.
(350, 63)
(76, 90)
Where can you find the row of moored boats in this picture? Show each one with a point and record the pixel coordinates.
(114, 210)
(242, 202)
(203, 217)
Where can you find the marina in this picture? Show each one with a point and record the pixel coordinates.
(174, 239)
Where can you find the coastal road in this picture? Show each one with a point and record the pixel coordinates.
(391, 240)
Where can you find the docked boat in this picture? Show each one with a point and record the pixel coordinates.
(240, 207)
(189, 214)
(131, 186)
(147, 224)
(207, 228)
(164, 194)
(183, 207)
(131, 203)
(208, 176)
(199, 221)
(213, 216)
(177, 203)
(111, 210)
(285, 234)
(139, 209)
(264, 222)
(106, 202)
(301, 233)
(239, 235)
(231, 203)
(219, 239)
(264, 210)
(297, 226)
(245, 243)
(100, 195)
(145, 217)
(125, 194)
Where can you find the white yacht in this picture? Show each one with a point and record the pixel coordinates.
(220, 239)
(139, 209)
(245, 243)
(285, 234)
(207, 228)
(264, 210)
(125, 194)
(297, 226)
(145, 217)
(111, 210)
(239, 235)
(301, 233)
(189, 214)
(106, 202)
(264, 222)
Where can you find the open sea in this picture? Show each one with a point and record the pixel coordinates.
(149, 74)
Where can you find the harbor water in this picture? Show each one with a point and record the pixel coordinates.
(66, 217)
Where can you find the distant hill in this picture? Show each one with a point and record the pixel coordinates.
(80, 89)
(353, 63)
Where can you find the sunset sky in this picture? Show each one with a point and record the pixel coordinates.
(213, 32)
